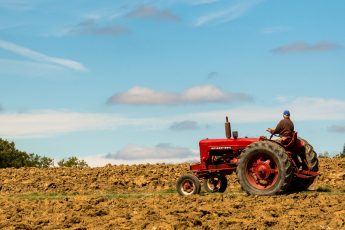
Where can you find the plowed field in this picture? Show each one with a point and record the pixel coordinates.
(144, 197)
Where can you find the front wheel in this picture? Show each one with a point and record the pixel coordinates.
(188, 185)
(264, 169)
(216, 183)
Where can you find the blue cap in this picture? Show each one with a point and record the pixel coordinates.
(286, 113)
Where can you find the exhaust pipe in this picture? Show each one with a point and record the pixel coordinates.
(227, 128)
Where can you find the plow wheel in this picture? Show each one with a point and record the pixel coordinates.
(188, 185)
(264, 169)
(217, 183)
(300, 184)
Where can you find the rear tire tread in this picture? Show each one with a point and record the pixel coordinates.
(271, 148)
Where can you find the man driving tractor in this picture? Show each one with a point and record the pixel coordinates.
(284, 129)
(263, 166)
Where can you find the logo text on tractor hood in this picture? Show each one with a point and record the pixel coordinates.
(220, 148)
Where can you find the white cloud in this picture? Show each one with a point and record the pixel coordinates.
(141, 95)
(158, 10)
(205, 93)
(48, 123)
(17, 5)
(202, 2)
(160, 151)
(337, 128)
(184, 125)
(25, 52)
(101, 160)
(228, 14)
(302, 109)
(30, 69)
(146, 11)
(90, 27)
(197, 94)
(305, 47)
(282, 99)
(308, 108)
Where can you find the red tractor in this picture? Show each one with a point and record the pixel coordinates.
(263, 166)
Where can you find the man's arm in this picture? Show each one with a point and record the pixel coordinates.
(278, 129)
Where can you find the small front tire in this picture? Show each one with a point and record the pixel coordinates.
(215, 184)
(188, 185)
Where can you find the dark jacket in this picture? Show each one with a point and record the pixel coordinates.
(285, 128)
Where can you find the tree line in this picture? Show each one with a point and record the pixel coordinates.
(11, 157)
(326, 154)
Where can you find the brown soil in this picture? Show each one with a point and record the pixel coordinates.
(144, 197)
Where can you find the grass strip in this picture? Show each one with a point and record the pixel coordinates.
(170, 192)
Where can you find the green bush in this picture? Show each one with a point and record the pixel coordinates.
(324, 155)
(72, 162)
(12, 157)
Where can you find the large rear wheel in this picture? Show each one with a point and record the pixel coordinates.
(300, 184)
(264, 169)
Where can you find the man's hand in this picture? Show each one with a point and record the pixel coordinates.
(270, 130)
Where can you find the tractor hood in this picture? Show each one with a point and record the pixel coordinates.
(227, 143)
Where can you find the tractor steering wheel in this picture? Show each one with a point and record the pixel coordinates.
(273, 135)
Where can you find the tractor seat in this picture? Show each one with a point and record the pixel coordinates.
(292, 142)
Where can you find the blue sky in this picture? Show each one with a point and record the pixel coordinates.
(143, 81)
